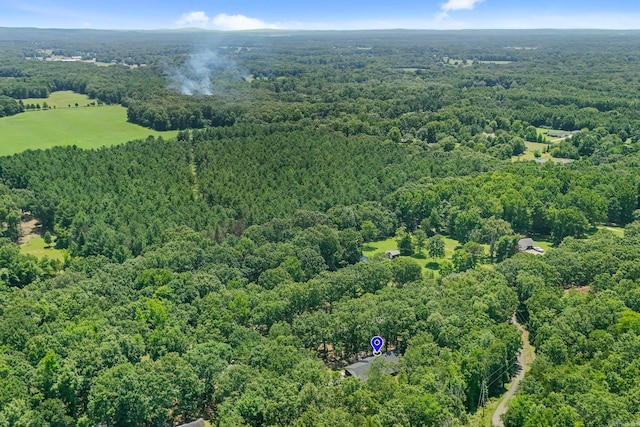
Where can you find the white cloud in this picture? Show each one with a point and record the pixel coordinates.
(195, 19)
(226, 22)
(456, 5)
(440, 21)
(459, 5)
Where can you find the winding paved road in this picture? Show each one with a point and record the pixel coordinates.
(496, 420)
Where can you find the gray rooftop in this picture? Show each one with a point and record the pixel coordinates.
(524, 244)
(361, 368)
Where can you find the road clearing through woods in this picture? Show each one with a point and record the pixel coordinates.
(526, 355)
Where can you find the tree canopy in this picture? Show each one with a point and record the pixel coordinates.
(220, 274)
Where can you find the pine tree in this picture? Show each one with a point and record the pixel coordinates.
(47, 238)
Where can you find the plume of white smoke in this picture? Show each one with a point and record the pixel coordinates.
(195, 76)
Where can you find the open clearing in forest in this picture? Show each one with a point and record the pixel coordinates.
(531, 148)
(538, 146)
(31, 229)
(32, 242)
(543, 132)
(544, 244)
(61, 99)
(372, 249)
(618, 231)
(87, 127)
(36, 246)
(544, 157)
(380, 246)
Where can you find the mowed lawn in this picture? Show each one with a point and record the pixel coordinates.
(36, 246)
(380, 246)
(372, 249)
(86, 127)
(61, 99)
(532, 147)
(543, 132)
(618, 231)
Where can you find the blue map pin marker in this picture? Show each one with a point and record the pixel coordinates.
(377, 343)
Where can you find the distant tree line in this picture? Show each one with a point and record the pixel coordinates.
(180, 112)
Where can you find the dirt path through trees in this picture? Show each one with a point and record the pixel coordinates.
(525, 358)
(30, 228)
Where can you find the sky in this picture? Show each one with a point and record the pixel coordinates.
(229, 15)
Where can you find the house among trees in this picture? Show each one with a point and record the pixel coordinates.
(555, 134)
(561, 134)
(526, 244)
(392, 254)
(529, 246)
(360, 369)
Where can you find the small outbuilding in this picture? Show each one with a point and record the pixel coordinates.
(525, 244)
(360, 369)
(555, 134)
(561, 134)
(392, 254)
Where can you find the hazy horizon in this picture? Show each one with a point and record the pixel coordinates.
(302, 30)
(228, 15)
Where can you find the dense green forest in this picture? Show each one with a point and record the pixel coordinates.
(587, 341)
(220, 274)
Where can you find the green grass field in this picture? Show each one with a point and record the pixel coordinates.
(459, 62)
(544, 244)
(618, 231)
(371, 249)
(543, 132)
(61, 99)
(380, 246)
(531, 148)
(86, 127)
(36, 246)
